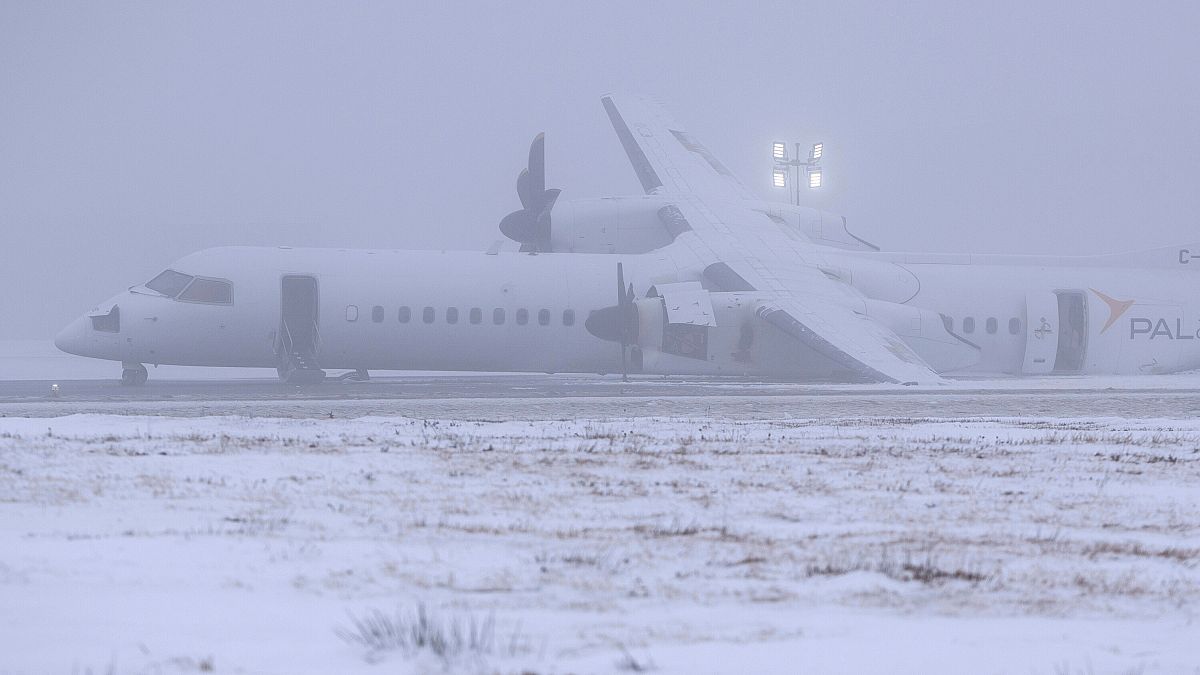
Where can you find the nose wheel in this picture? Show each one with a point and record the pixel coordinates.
(133, 375)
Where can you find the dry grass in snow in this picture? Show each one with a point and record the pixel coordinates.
(264, 545)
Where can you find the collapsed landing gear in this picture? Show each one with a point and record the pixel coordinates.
(133, 375)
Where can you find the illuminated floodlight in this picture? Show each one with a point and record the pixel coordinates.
(779, 178)
(816, 151)
(814, 179)
(779, 152)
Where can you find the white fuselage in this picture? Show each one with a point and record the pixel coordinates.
(352, 284)
(1156, 333)
(522, 312)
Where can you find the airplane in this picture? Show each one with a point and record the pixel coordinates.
(698, 277)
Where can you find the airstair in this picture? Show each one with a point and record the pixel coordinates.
(298, 364)
(299, 337)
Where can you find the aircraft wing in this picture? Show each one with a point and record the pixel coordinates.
(726, 231)
(666, 158)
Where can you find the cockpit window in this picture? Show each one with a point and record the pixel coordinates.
(169, 283)
(212, 291)
(108, 323)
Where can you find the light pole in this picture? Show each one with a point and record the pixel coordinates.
(810, 167)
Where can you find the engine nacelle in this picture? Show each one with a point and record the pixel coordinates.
(640, 224)
(685, 329)
(874, 278)
(734, 341)
(610, 225)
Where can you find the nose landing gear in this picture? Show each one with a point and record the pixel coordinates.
(133, 374)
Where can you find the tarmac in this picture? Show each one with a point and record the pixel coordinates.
(523, 396)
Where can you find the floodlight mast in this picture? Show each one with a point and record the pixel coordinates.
(784, 166)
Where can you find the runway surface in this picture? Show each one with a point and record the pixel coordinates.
(505, 396)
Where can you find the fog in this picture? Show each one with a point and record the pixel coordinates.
(133, 134)
(772, 449)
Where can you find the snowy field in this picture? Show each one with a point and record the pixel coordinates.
(139, 544)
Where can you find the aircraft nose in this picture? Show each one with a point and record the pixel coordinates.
(71, 339)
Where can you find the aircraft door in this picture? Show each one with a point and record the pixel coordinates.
(298, 326)
(1041, 333)
(1072, 331)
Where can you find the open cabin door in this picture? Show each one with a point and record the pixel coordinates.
(299, 329)
(1041, 333)
(1072, 331)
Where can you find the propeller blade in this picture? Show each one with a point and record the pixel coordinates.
(605, 323)
(520, 226)
(524, 190)
(624, 364)
(531, 225)
(537, 165)
(620, 285)
(629, 317)
(619, 322)
(549, 197)
(624, 304)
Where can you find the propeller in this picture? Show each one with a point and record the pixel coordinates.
(531, 224)
(617, 323)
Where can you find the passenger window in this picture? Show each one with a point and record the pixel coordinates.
(377, 314)
(543, 317)
(476, 315)
(451, 315)
(211, 291)
(522, 316)
(352, 312)
(568, 317)
(498, 316)
(405, 314)
(1014, 325)
(428, 315)
(169, 283)
(969, 324)
(991, 325)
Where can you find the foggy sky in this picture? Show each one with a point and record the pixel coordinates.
(133, 134)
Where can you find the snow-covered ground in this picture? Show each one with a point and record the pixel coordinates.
(231, 544)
